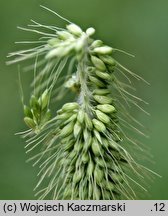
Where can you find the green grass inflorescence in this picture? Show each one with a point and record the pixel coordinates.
(81, 151)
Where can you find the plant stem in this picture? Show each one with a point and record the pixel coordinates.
(82, 71)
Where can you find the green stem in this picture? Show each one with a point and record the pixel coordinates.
(85, 94)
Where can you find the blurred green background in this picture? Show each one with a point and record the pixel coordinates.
(140, 27)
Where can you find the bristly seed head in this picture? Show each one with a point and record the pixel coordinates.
(82, 151)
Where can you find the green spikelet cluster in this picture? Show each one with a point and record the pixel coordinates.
(82, 148)
(37, 114)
